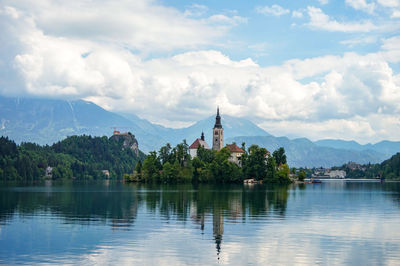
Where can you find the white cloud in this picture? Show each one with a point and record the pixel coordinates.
(389, 3)
(297, 14)
(196, 10)
(359, 41)
(391, 49)
(323, 2)
(345, 92)
(142, 25)
(362, 5)
(319, 20)
(259, 49)
(226, 20)
(274, 10)
(352, 87)
(395, 14)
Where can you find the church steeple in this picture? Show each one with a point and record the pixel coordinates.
(218, 133)
(218, 120)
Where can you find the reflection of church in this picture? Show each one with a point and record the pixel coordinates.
(218, 226)
(217, 143)
(218, 230)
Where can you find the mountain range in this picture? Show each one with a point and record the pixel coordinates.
(45, 121)
(302, 152)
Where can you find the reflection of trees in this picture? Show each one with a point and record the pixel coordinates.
(235, 202)
(83, 204)
(262, 200)
(117, 204)
(393, 188)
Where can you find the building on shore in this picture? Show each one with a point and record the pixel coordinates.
(49, 172)
(328, 173)
(196, 144)
(236, 154)
(337, 174)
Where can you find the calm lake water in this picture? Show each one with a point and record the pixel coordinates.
(334, 222)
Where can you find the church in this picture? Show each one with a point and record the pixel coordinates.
(217, 142)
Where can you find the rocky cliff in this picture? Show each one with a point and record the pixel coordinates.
(128, 140)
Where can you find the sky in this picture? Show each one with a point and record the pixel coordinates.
(317, 69)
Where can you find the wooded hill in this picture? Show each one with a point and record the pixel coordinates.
(389, 169)
(76, 157)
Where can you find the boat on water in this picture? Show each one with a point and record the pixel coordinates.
(314, 181)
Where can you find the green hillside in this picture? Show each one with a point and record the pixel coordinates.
(388, 169)
(76, 157)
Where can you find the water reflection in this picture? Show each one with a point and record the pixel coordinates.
(75, 203)
(228, 217)
(117, 204)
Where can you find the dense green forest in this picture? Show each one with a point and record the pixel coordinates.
(76, 157)
(85, 158)
(389, 169)
(174, 165)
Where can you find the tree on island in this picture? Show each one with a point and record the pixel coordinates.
(302, 175)
(279, 156)
(254, 165)
(174, 165)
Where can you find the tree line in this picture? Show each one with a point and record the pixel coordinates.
(175, 165)
(76, 157)
(86, 158)
(388, 169)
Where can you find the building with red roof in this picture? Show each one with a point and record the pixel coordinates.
(196, 144)
(236, 153)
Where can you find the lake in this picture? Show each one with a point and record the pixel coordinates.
(335, 222)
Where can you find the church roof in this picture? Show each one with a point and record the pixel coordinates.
(233, 148)
(199, 142)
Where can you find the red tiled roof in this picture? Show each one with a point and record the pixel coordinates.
(119, 133)
(234, 148)
(199, 142)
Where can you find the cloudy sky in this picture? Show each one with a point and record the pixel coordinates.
(318, 69)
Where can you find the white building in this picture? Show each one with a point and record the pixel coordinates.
(236, 154)
(337, 174)
(196, 144)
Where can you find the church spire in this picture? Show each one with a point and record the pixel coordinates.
(218, 120)
(218, 133)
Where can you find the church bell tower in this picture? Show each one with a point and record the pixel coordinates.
(218, 133)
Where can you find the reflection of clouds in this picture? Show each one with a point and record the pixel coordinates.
(314, 240)
(329, 224)
(364, 240)
(165, 246)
